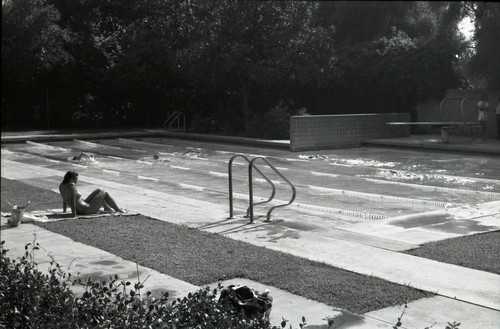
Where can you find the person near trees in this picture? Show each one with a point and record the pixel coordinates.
(91, 205)
(497, 114)
(482, 107)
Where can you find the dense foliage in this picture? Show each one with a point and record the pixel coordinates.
(230, 65)
(484, 64)
(31, 299)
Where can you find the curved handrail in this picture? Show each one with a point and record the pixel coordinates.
(441, 108)
(230, 173)
(178, 118)
(173, 117)
(169, 118)
(462, 109)
(250, 186)
(449, 98)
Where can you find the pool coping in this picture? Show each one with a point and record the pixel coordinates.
(37, 137)
(422, 142)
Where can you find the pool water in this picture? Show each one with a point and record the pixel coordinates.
(367, 183)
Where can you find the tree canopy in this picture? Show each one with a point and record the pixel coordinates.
(484, 63)
(236, 64)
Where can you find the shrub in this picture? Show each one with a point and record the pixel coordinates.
(273, 124)
(30, 299)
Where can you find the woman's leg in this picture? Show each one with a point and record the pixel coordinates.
(108, 200)
(100, 198)
(95, 201)
(92, 195)
(106, 206)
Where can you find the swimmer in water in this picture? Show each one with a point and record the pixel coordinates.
(84, 155)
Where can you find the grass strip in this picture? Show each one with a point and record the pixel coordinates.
(201, 258)
(479, 251)
(19, 193)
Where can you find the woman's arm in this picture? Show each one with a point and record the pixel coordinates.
(72, 199)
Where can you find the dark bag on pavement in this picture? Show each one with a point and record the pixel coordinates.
(243, 299)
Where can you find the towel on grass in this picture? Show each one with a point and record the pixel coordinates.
(54, 215)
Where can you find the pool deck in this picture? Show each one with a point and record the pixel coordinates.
(464, 295)
(433, 142)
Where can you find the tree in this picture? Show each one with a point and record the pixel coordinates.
(33, 45)
(129, 62)
(484, 63)
(405, 55)
(241, 47)
(140, 61)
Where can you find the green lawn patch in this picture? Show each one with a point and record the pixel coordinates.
(201, 258)
(19, 193)
(479, 251)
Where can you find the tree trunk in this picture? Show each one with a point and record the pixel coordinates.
(245, 95)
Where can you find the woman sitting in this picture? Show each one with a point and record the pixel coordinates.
(91, 205)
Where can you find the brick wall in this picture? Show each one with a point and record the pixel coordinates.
(314, 132)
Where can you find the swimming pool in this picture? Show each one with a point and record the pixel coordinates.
(335, 186)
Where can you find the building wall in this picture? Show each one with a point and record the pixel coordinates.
(315, 132)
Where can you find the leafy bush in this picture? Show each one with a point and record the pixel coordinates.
(30, 299)
(273, 124)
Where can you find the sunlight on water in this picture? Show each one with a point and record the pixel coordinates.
(364, 162)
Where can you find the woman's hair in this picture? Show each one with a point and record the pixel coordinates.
(69, 176)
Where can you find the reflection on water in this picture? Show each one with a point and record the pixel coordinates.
(417, 167)
(368, 180)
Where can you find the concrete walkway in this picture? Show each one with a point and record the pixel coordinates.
(85, 261)
(433, 142)
(464, 295)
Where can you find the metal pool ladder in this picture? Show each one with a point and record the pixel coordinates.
(251, 167)
(175, 117)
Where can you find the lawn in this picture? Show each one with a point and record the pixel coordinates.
(201, 258)
(479, 251)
